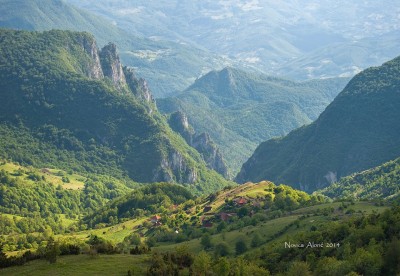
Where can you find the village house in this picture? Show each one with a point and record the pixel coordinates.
(226, 216)
(241, 201)
(156, 220)
(207, 224)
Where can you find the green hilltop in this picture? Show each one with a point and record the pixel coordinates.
(357, 131)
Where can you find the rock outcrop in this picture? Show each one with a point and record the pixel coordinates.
(111, 65)
(139, 88)
(174, 168)
(93, 70)
(210, 153)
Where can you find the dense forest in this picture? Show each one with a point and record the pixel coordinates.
(379, 182)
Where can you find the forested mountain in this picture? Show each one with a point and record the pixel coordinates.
(167, 65)
(357, 131)
(69, 105)
(240, 109)
(382, 182)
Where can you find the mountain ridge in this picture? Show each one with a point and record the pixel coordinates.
(239, 109)
(356, 131)
(57, 93)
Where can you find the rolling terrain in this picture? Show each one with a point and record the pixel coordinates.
(357, 131)
(265, 229)
(240, 109)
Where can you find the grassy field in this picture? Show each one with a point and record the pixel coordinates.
(53, 176)
(265, 230)
(115, 233)
(83, 265)
(364, 207)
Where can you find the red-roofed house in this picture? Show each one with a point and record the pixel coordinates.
(241, 201)
(155, 219)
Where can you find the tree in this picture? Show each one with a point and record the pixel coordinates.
(206, 241)
(392, 258)
(298, 268)
(52, 251)
(256, 241)
(222, 267)
(240, 246)
(222, 249)
(202, 264)
(255, 270)
(221, 226)
(367, 262)
(151, 241)
(331, 266)
(243, 212)
(133, 239)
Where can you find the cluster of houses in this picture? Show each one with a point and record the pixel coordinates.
(208, 217)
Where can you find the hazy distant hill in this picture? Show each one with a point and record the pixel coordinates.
(296, 39)
(357, 131)
(240, 109)
(168, 66)
(67, 104)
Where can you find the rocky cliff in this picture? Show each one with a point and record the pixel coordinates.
(202, 143)
(103, 63)
(93, 69)
(140, 89)
(111, 65)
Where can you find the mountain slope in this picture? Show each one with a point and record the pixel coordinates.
(201, 142)
(357, 131)
(86, 112)
(240, 109)
(380, 182)
(168, 66)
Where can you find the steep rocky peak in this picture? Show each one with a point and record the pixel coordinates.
(111, 65)
(138, 86)
(203, 140)
(179, 121)
(227, 76)
(94, 70)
